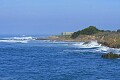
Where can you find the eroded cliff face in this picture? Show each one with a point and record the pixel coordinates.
(85, 38)
(110, 42)
(110, 39)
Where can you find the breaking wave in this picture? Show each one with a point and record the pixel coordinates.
(23, 38)
(94, 46)
(17, 39)
(20, 38)
(14, 41)
(90, 44)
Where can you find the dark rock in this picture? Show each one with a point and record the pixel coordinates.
(87, 42)
(116, 46)
(41, 39)
(110, 55)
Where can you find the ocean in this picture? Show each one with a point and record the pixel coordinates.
(22, 58)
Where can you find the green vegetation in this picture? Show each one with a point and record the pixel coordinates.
(87, 31)
(75, 34)
(118, 30)
(105, 37)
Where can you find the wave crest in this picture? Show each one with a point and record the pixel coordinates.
(14, 41)
(89, 44)
(97, 47)
(17, 39)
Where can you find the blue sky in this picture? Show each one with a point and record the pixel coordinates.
(55, 16)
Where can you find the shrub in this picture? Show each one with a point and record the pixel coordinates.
(87, 31)
(118, 30)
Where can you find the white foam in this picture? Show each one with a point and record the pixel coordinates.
(14, 41)
(103, 49)
(20, 38)
(97, 47)
(94, 46)
(107, 50)
(115, 50)
(91, 44)
(23, 38)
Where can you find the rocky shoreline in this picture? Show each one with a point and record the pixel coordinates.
(106, 38)
(109, 43)
(85, 38)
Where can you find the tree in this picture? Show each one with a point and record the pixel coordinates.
(118, 30)
(75, 34)
(90, 30)
(87, 31)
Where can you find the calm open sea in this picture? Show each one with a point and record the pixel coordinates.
(45, 60)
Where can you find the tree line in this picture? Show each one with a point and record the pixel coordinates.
(89, 31)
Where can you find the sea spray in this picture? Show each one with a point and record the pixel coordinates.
(97, 47)
(90, 44)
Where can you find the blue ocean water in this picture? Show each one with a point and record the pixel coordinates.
(44, 60)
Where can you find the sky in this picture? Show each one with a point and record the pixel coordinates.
(56, 16)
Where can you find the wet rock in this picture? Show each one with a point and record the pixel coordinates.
(110, 56)
(87, 42)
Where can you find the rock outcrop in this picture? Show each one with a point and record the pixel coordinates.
(110, 56)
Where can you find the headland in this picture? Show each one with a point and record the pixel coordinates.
(105, 37)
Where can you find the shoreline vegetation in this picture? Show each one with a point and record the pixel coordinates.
(104, 37)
